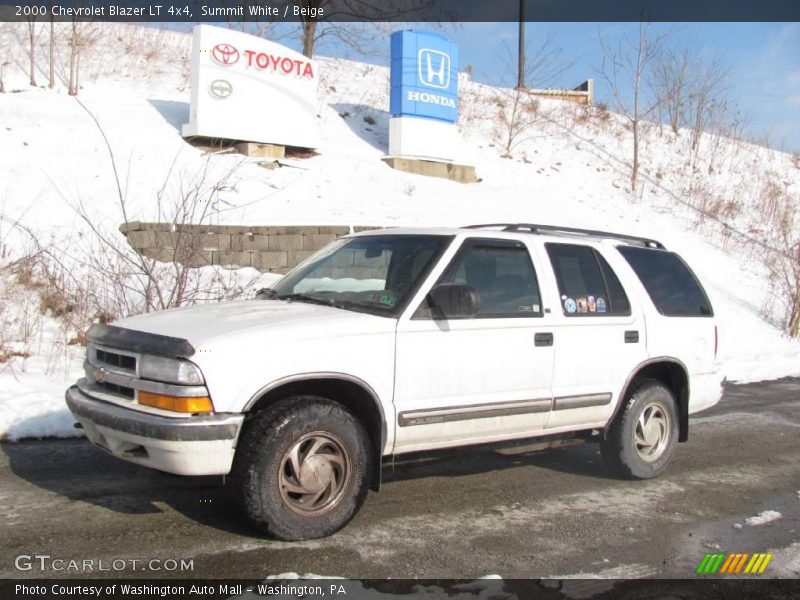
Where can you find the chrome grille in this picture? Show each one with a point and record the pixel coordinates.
(119, 390)
(114, 359)
(111, 371)
(111, 375)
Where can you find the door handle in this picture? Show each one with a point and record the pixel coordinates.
(632, 337)
(543, 339)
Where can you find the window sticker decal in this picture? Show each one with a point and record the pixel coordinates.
(582, 305)
(570, 306)
(387, 300)
(601, 305)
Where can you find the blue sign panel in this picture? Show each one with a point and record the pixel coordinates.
(424, 76)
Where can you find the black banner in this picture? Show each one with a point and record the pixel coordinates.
(212, 11)
(385, 589)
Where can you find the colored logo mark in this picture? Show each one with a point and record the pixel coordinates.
(733, 563)
(434, 69)
(225, 54)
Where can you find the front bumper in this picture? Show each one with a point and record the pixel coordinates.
(197, 445)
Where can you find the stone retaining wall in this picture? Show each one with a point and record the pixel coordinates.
(269, 249)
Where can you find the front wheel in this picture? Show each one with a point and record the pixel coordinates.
(302, 468)
(641, 441)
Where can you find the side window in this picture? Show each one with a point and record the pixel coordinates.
(586, 282)
(673, 288)
(502, 275)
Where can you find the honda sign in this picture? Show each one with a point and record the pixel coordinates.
(424, 95)
(424, 76)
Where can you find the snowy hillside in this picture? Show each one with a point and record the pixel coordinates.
(569, 166)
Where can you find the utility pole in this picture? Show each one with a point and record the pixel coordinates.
(521, 52)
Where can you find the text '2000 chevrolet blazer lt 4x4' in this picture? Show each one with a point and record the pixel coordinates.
(406, 340)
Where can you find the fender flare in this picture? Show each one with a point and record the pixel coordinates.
(368, 389)
(683, 399)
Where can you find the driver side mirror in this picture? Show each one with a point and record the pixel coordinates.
(453, 300)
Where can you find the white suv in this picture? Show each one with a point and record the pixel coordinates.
(398, 341)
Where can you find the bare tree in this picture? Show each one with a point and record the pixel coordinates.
(626, 69)
(74, 48)
(519, 111)
(672, 82)
(32, 35)
(81, 37)
(52, 64)
(705, 97)
(690, 91)
(544, 63)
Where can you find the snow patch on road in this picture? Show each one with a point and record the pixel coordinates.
(586, 585)
(763, 518)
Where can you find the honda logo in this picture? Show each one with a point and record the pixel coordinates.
(434, 69)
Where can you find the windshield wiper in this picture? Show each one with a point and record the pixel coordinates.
(345, 304)
(299, 297)
(267, 294)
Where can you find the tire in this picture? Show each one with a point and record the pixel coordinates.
(302, 468)
(641, 441)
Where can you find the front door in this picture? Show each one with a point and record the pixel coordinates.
(482, 378)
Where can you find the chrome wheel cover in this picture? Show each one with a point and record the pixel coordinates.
(314, 473)
(652, 433)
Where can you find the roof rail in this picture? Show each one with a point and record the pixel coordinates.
(540, 229)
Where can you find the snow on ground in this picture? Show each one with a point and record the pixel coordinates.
(762, 518)
(53, 160)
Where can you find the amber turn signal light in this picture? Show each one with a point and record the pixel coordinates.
(197, 404)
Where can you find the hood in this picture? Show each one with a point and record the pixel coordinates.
(201, 323)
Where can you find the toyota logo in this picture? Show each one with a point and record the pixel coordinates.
(225, 54)
(99, 375)
(220, 88)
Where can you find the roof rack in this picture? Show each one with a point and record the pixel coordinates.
(540, 229)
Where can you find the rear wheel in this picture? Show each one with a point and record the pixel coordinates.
(641, 441)
(302, 468)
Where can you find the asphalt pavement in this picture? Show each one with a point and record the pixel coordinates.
(555, 513)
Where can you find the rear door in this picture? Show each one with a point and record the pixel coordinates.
(599, 336)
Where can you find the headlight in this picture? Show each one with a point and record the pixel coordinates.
(169, 370)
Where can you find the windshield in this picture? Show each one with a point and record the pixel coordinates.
(377, 274)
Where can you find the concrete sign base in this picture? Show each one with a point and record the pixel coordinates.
(432, 168)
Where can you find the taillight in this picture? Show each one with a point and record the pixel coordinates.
(716, 341)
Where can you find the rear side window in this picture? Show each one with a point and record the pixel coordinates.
(586, 282)
(672, 286)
